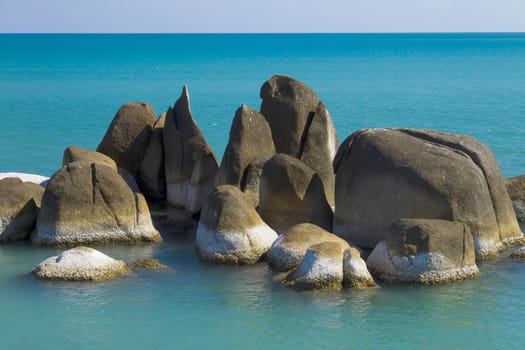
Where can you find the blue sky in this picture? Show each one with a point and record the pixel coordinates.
(190, 16)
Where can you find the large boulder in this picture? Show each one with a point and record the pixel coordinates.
(250, 140)
(301, 126)
(151, 175)
(292, 193)
(230, 230)
(516, 189)
(190, 165)
(92, 204)
(19, 205)
(77, 154)
(80, 264)
(289, 249)
(128, 134)
(425, 251)
(383, 175)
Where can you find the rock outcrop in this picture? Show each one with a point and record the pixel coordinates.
(19, 206)
(425, 251)
(383, 175)
(230, 230)
(292, 193)
(92, 204)
(80, 264)
(301, 126)
(77, 154)
(151, 174)
(516, 189)
(128, 134)
(190, 165)
(250, 144)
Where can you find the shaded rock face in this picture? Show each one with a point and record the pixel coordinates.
(250, 143)
(19, 206)
(128, 134)
(91, 203)
(230, 230)
(425, 251)
(80, 264)
(151, 174)
(383, 175)
(190, 165)
(301, 126)
(516, 189)
(291, 193)
(76, 154)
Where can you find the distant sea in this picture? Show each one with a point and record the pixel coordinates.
(61, 90)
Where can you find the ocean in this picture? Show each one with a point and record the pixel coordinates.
(61, 90)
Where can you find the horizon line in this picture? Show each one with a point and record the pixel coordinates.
(257, 33)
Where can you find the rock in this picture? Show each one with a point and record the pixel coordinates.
(291, 193)
(36, 179)
(19, 205)
(230, 230)
(91, 203)
(250, 139)
(76, 154)
(147, 263)
(519, 254)
(252, 183)
(126, 139)
(80, 264)
(151, 175)
(516, 189)
(190, 165)
(355, 271)
(383, 175)
(301, 126)
(289, 249)
(321, 268)
(425, 251)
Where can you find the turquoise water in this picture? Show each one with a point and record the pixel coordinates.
(60, 90)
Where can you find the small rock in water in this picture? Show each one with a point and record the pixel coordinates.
(80, 264)
(519, 254)
(147, 263)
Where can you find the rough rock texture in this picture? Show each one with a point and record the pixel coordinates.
(289, 249)
(80, 264)
(151, 175)
(425, 251)
(230, 230)
(33, 178)
(76, 154)
(128, 134)
(383, 175)
(301, 126)
(321, 268)
(355, 271)
(19, 206)
(190, 165)
(250, 139)
(292, 193)
(148, 263)
(519, 254)
(90, 203)
(516, 189)
(252, 182)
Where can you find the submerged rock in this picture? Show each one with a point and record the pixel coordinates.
(291, 193)
(128, 134)
(80, 264)
(425, 251)
(230, 230)
(76, 154)
(519, 254)
(91, 203)
(301, 126)
(383, 175)
(19, 206)
(516, 189)
(190, 165)
(147, 263)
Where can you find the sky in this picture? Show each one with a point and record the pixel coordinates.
(256, 16)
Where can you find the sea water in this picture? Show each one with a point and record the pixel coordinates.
(61, 90)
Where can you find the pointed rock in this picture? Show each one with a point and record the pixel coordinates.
(190, 165)
(151, 175)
